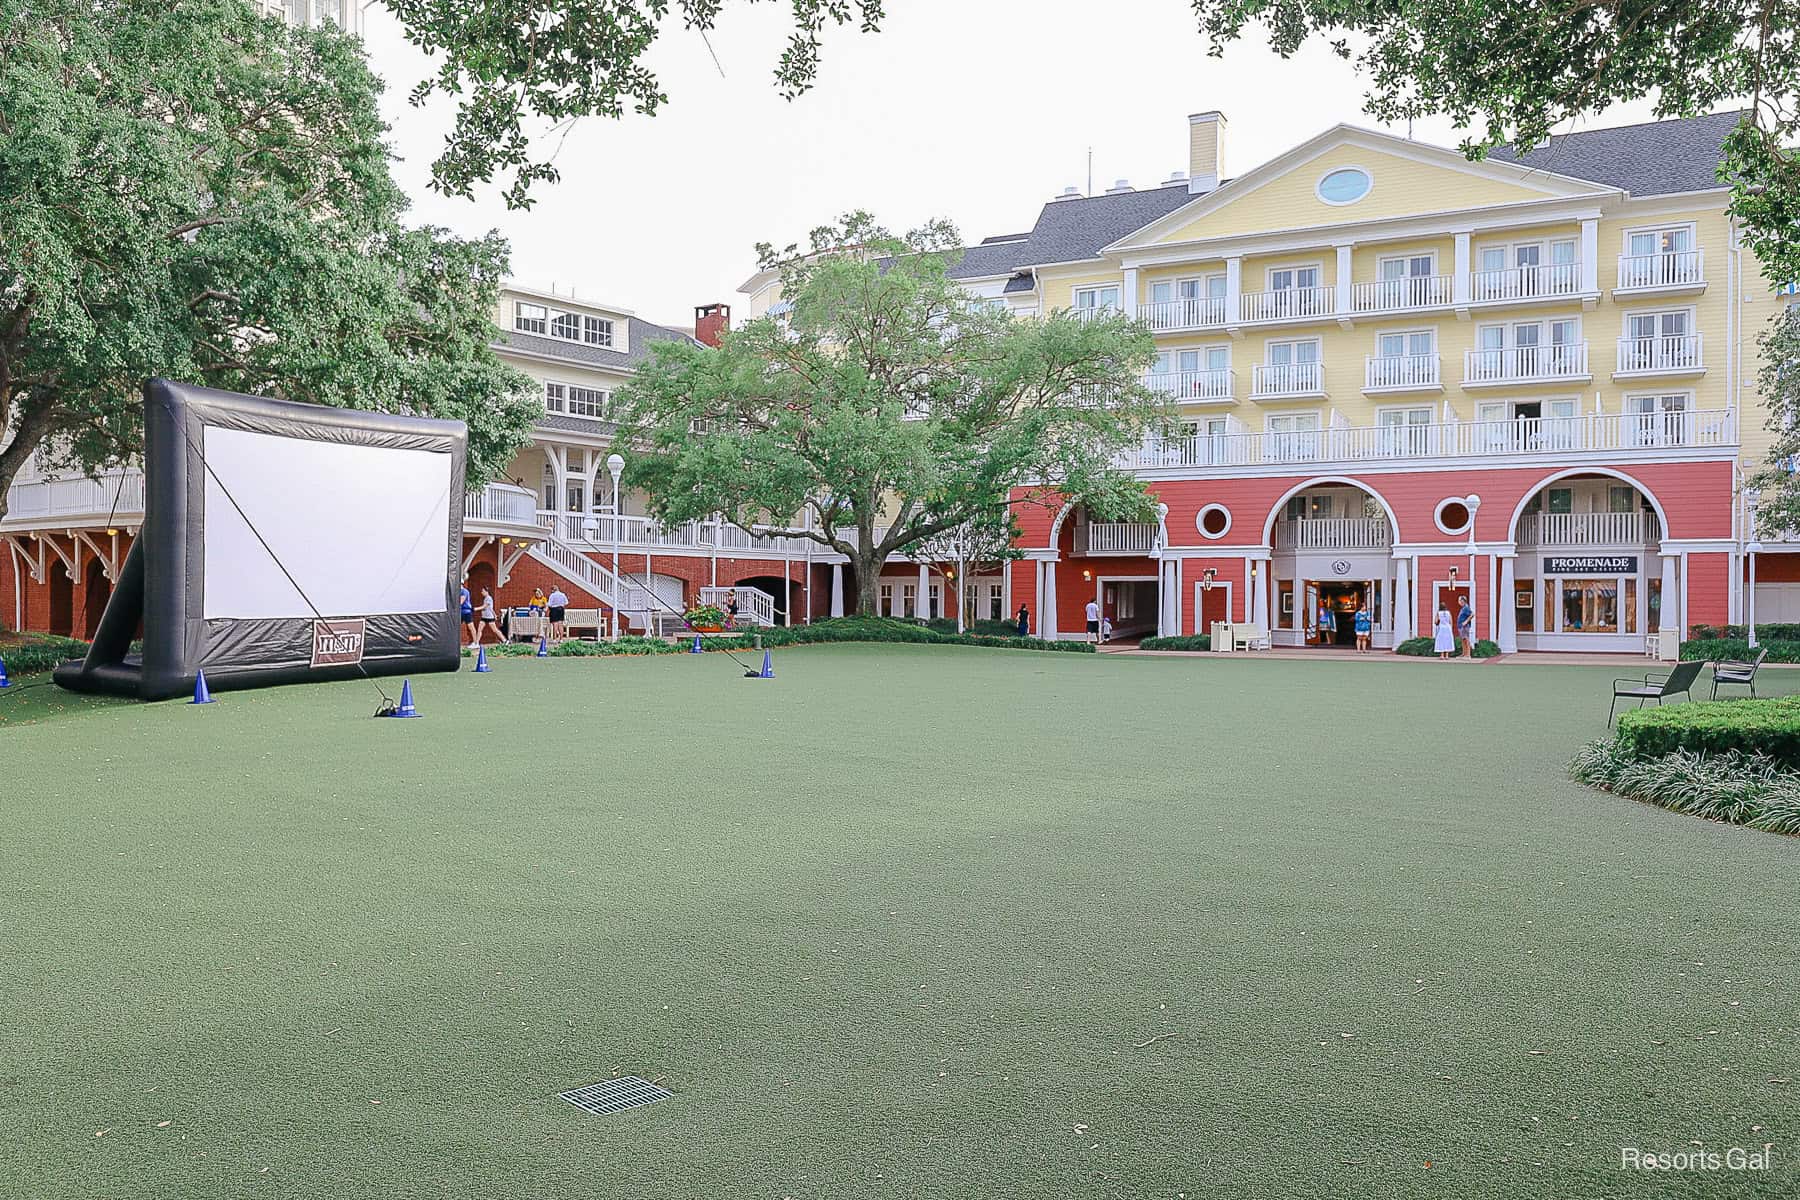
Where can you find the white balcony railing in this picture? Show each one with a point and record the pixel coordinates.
(1098, 312)
(1659, 355)
(1526, 283)
(1526, 364)
(1114, 537)
(1670, 269)
(1333, 533)
(1218, 383)
(755, 606)
(501, 504)
(116, 495)
(1401, 373)
(1286, 304)
(1288, 379)
(1402, 295)
(1621, 433)
(594, 531)
(1588, 529)
(1194, 313)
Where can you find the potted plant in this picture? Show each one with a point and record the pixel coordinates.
(706, 618)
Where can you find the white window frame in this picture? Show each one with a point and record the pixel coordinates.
(1096, 290)
(1430, 330)
(1692, 227)
(1406, 256)
(1269, 345)
(588, 324)
(1296, 267)
(1368, 176)
(523, 323)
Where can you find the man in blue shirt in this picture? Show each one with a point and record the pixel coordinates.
(1465, 627)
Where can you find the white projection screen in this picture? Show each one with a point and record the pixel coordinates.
(359, 528)
(283, 543)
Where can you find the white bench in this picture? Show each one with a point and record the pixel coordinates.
(1246, 636)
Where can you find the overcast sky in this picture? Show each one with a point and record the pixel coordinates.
(974, 110)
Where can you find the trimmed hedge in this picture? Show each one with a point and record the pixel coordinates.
(1770, 631)
(1770, 727)
(579, 649)
(1738, 788)
(1738, 650)
(40, 653)
(1199, 641)
(837, 629)
(1422, 647)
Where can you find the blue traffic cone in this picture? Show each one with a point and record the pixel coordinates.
(543, 647)
(481, 663)
(695, 648)
(4, 681)
(406, 708)
(768, 670)
(202, 694)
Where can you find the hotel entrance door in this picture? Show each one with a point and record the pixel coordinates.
(1331, 611)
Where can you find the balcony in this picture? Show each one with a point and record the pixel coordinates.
(1175, 316)
(1284, 381)
(1541, 281)
(596, 531)
(1194, 387)
(1670, 271)
(1288, 304)
(1333, 533)
(116, 497)
(1098, 312)
(1114, 537)
(500, 508)
(1668, 354)
(1620, 434)
(1411, 294)
(1404, 373)
(1587, 529)
(1526, 364)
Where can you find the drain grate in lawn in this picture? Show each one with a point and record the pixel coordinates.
(615, 1095)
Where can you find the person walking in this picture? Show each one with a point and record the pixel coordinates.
(557, 609)
(731, 609)
(489, 618)
(1024, 621)
(467, 608)
(1465, 627)
(1443, 635)
(1327, 625)
(1093, 619)
(1365, 626)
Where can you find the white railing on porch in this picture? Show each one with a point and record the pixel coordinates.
(637, 533)
(1665, 352)
(1526, 283)
(1286, 304)
(1673, 268)
(1526, 364)
(119, 494)
(755, 606)
(1588, 529)
(1333, 533)
(1287, 379)
(1196, 312)
(1611, 432)
(1400, 371)
(1400, 295)
(501, 504)
(1213, 384)
(1114, 537)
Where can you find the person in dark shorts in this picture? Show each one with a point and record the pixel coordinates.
(558, 614)
(468, 617)
(731, 609)
(1024, 621)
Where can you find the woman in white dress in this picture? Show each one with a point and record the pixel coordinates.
(1443, 634)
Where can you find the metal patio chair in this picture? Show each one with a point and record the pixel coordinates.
(1655, 686)
(1741, 673)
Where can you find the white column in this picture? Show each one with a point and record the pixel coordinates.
(1007, 611)
(1344, 268)
(922, 605)
(1047, 617)
(1038, 600)
(1249, 589)
(1590, 253)
(1175, 598)
(1509, 633)
(1234, 290)
(1459, 282)
(1128, 295)
(1260, 598)
(837, 589)
(1399, 604)
(1671, 599)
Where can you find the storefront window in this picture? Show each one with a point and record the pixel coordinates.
(1655, 600)
(1548, 620)
(1631, 606)
(1284, 611)
(1590, 605)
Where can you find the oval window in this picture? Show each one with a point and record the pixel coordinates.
(1344, 185)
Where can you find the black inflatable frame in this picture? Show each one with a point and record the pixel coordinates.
(161, 586)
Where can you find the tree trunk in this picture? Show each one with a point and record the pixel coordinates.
(868, 581)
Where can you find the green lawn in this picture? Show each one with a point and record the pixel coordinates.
(905, 921)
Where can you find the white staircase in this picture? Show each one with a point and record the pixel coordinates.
(576, 567)
(755, 606)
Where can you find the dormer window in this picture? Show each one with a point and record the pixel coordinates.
(597, 331)
(530, 318)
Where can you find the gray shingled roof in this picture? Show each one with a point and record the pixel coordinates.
(1071, 230)
(640, 335)
(1018, 283)
(992, 258)
(1653, 159)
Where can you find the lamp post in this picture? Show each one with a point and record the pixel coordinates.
(1473, 502)
(1751, 496)
(616, 465)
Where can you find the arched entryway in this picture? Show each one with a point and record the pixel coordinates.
(1331, 558)
(62, 602)
(784, 592)
(1589, 573)
(96, 590)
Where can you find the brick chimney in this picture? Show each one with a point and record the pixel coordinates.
(711, 321)
(1206, 150)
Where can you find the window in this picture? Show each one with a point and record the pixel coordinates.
(1658, 420)
(1561, 500)
(1453, 516)
(1659, 258)
(566, 326)
(1406, 359)
(529, 318)
(1094, 300)
(1659, 341)
(1292, 436)
(1346, 185)
(1535, 268)
(598, 331)
(1528, 350)
(1590, 605)
(1621, 499)
(574, 401)
(1406, 432)
(1409, 281)
(909, 600)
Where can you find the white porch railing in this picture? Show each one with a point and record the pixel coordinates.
(1526, 283)
(1404, 371)
(1098, 312)
(1588, 529)
(501, 504)
(1288, 379)
(1286, 304)
(1196, 312)
(1659, 355)
(1526, 364)
(1218, 383)
(118, 494)
(1608, 432)
(1674, 268)
(755, 606)
(595, 531)
(1333, 533)
(1114, 537)
(1401, 295)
